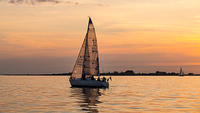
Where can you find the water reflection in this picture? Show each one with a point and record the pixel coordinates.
(87, 98)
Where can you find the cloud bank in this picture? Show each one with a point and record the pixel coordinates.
(36, 2)
(32, 1)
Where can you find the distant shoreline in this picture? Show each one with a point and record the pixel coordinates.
(114, 73)
(70, 75)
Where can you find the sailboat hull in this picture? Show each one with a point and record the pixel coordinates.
(88, 83)
(87, 63)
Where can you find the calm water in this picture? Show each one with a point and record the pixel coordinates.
(126, 94)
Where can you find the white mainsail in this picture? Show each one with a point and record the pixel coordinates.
(87, 63)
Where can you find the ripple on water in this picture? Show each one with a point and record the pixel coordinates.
(126, 94)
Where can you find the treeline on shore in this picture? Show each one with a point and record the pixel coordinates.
(115, 73)
(132, 73)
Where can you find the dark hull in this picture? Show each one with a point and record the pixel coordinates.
(88, 83)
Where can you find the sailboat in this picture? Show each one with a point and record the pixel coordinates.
(181, 73)
(87, 63)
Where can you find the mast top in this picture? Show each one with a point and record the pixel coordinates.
(90, 20)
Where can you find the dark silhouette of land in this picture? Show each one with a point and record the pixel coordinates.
(115, 73)
(157, 73)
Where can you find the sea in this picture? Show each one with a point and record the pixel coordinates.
(126, 94)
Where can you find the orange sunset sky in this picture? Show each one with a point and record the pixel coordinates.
(44, 36)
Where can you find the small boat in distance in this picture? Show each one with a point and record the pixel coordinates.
(87, 63)
(181, 73)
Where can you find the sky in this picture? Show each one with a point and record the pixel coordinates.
(44, 36)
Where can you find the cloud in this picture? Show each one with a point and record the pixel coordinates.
(197, 18)
(37, 65)
(32, 1)
(149, 62)
(156, 59)
(69, 2)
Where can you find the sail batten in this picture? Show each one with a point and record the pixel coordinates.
(87, 63)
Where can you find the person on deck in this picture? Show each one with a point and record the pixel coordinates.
(92, 78)
(104, 79)
(98, 79)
